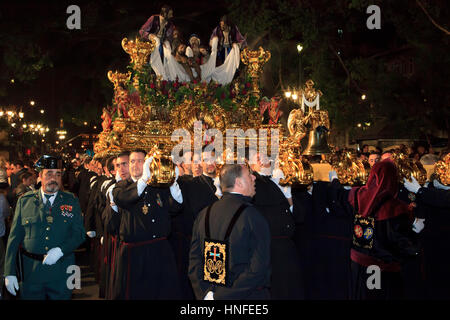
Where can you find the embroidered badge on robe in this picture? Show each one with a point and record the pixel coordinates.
(363, 231)
(215, 260)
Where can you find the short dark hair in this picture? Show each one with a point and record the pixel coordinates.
(374, 152)
(109, 163)
(139, 151)
(18, 163)
(228, 175)
(123, 154)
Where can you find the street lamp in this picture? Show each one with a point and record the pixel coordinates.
(299, 50)
(32, 102)
(363, 97)
(287, 94)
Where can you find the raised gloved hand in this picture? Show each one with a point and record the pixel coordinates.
(218, 189)
(209, 296)
(91, 234)
(412, 186)
(52, 256)
(418, 225)
(439, 185)
(11, 284)
(146, 175)
(332, 175)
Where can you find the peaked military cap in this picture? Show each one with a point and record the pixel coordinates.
(49, 162)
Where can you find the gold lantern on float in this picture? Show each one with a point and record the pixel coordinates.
(408, 168)
(296, 169)
(442, 170)
(162, 167)
(350, 170)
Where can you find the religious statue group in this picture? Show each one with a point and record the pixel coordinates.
(175, 59)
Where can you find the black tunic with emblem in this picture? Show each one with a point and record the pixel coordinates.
(286, 280)
(249, 251)
(436, 246)
(392, 246)
(146, 267)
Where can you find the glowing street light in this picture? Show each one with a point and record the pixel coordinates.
(42, 111)
(32, 102)
(363, 97)
(21, 115)
(294, 96)
(299, 47)
(288, 94)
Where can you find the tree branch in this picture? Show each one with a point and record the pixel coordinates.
(351, 81)
(431, 19)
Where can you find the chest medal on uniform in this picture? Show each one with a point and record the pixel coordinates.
(49, 219)
(363, 231)
(144, 209)
(412, 196)
(158, 200)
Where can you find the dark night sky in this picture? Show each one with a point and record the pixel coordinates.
(81, 58)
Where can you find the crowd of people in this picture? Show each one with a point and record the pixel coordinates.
(220, 231)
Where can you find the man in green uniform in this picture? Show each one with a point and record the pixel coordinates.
(47, 228)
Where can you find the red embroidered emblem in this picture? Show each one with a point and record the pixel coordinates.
(358, 231)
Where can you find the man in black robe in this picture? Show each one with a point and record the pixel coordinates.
(146, 267)
(181, 231)
(274, 202)
(201, 191)
(247, 271)
(435, 199)
(111, 226)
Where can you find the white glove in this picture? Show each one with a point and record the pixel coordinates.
(101, 240)
(209, 296)
(118, 178)
(52, 256)
(91, 234)
(11, 284)
(418, 225)
(439, 185)
(177, 173)
(109, 193)
(332, 175)
(217, 185)
(146, 175)
(412, 186)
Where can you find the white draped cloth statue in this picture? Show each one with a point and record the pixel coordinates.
(170, 69)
